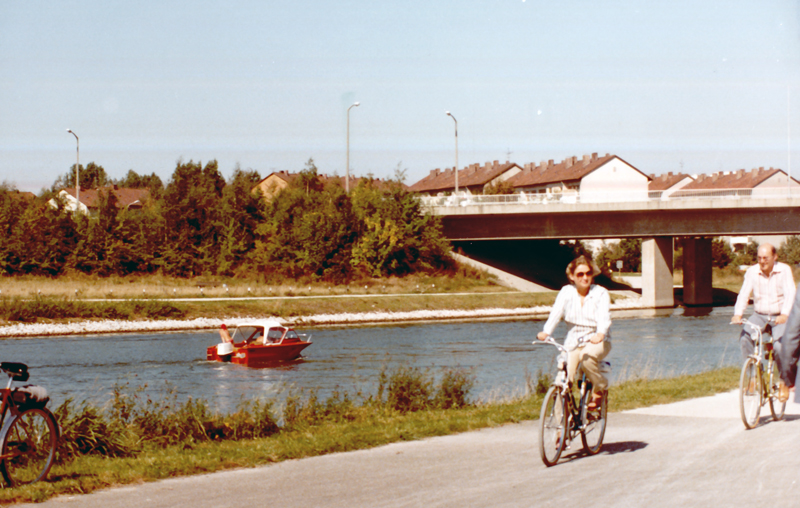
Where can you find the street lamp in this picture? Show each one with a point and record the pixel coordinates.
(456, 121)
(347, 171)
(77, 168)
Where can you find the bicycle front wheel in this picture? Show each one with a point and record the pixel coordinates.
(776, 407)
(750, 391)
(553, 420)
(593, 424)
(29, 447)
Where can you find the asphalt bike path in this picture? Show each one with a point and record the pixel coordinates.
(690, 453)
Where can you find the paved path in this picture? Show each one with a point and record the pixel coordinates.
(690, 454)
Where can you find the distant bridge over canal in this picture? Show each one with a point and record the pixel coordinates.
(504, 220)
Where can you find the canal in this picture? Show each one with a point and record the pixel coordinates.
(498, 353)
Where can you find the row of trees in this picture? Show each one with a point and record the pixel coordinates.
(629, 251)
(199, 224)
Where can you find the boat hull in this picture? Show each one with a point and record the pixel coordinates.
(258, 354)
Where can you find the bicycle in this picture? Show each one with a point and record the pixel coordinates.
(562, 419)
(759, 379)
(29, 430)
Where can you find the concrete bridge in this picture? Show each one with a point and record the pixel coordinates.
(656, 222)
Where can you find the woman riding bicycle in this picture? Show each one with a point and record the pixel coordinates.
(585, 308)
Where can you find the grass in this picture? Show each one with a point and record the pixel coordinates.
(336, 425)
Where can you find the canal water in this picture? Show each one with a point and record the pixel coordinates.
(499, 354)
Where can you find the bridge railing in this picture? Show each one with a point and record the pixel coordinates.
(602, 197)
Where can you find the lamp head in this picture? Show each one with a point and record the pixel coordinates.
(447, 113)
(69, 130)
(356, 104)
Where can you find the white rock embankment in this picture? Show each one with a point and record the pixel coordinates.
(123, 326)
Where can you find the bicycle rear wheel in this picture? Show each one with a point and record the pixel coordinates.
(593, 424)
(776, 407)
(750, 391)
(554, 430)
(29, 447)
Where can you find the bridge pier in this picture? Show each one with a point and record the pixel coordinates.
(697, 288)
(657, 285)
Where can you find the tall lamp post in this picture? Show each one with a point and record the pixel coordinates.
(77, 169)
(456, 169)
(347, 171)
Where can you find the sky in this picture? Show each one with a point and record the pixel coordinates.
(694, 86)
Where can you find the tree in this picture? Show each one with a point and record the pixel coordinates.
(92, 176)
(501, 187)
(133, 180)
(748, 256)
(628, 250)
(191, 217)
(721, 253)
(240, 214)
(790, 250)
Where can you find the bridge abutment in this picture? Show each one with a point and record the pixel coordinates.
(657, 285)
(697, 288)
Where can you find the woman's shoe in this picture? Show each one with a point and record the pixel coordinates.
(594, 404)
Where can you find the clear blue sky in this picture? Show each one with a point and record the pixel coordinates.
(692, 85)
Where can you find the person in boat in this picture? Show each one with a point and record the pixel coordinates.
(585, 307)
(224, 334)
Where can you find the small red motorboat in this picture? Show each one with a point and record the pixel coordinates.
(260, 342)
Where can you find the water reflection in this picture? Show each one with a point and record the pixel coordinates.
(498, 353)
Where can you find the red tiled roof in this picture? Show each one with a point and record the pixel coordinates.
(22, 196)
(734, 180)
(664, 182)
(470, 176)
(571, 169)
(125, 196)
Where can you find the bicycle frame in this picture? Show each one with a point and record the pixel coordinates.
(562, 381)
(758, 384)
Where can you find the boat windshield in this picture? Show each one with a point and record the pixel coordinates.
(275, 334)
(291, 334)
(247, 333)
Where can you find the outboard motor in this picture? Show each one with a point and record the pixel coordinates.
(225, 351)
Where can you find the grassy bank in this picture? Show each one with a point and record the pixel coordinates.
(45, 310)
(310, 427)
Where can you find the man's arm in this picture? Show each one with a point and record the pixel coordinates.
(744, 295)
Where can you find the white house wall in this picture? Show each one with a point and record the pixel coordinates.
(614, 181)
(777, 184)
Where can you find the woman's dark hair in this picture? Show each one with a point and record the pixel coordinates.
(582, 260)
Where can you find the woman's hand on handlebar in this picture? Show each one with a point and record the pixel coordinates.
(542, 336)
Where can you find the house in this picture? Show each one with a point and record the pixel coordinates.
(473, 179)
(607, 178)
(663, 186)
(126, 198)
(273, 183)
(754, 183)
(20, 196)
(270, 186)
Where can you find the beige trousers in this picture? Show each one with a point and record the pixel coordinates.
(591, 355)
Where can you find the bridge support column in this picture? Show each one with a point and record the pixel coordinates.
(697, 288)
(657, 272)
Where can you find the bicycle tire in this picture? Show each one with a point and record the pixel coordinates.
(593, 424)
(750, 393)
(776, 407)
(553, 419)
(29, 446)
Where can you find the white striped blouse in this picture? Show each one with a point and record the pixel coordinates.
(593, 317)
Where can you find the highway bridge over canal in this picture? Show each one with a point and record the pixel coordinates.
(506, 221)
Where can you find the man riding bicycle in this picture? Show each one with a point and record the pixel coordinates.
(773, 289)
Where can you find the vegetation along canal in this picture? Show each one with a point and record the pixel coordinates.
(499, 354)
